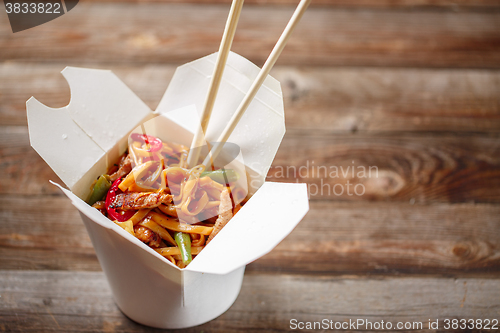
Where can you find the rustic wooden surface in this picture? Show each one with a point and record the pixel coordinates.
(411, 87)
(334, 239)
(458, 4)
(161, 33)
(63, 300)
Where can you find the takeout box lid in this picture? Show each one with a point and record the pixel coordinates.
(81, 140)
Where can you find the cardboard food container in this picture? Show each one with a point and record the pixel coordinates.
(80, 141)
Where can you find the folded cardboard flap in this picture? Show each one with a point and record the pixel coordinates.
(102, 105)
(66, 148)
(263, 222)
(78, 139)
(262, 127)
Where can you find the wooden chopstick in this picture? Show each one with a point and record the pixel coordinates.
(268, 65)
(224, 48)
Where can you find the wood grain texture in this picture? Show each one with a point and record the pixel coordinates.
(23, 171)
(427, 168)
(327, 99)
(176, 33)
(430, 168)
(389, 239)
(46, 233)
(410, 87)
(39, 233)
(82, 301)
(390, 100)
(344, 3)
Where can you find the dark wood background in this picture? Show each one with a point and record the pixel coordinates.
(411, 87)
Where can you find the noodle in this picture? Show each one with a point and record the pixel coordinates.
(139, 216)
(172, 251)
(177, 226)
(169, 210)
(159, 230)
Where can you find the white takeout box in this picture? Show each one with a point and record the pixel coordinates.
(81, 140)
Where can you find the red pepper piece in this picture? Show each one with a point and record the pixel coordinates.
(153, 142)
(110, 198)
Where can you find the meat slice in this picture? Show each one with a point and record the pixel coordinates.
(140, 200)
(124, 168)
(225, 214)
(147, 236)
(100, 206)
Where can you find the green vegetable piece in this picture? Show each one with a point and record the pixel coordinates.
(183, 241)
(101, 188)
(222, 176)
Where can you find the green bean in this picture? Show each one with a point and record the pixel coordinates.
(99, 190)
(222, 176)
(183, 241)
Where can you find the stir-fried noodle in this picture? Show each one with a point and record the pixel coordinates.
(153, 195)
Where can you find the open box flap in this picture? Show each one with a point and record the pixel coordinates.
(264, 221)
(260, 130)
(75, 138)
(102, 105)
(61, 142)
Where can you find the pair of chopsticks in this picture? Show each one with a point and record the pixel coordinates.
(225, 47)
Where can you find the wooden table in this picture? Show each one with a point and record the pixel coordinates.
(410, 88)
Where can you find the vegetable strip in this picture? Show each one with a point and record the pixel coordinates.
(184, 243)
(99, 190)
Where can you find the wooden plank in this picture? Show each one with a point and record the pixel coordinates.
(176, 33)
(82, 301)
(22, 170)
(343, 3)
(390, 100)
(407, 168)
(330, 99)
(389, 239)
(360, 167)
(45, 232)
(40, 233)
